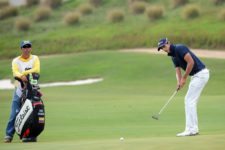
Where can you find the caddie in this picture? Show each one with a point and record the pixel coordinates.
(21, 66)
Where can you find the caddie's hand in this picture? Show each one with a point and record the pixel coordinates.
(24, 78)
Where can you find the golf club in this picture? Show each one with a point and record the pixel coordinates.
(156, 116)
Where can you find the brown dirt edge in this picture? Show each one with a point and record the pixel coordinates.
(218, 54)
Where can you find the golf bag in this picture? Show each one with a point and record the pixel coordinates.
(30, 121)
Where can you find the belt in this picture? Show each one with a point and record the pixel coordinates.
(198, 71)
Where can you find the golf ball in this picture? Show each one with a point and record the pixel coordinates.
(121, 139)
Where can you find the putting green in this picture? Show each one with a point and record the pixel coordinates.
(135, 87)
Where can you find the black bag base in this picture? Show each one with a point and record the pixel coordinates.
(31, 139)
(35, 123)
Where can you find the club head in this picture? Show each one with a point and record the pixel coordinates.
(156, 117)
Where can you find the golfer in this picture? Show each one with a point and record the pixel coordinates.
(21, 66)
(183, 58)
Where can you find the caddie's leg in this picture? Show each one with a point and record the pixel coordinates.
(196, 86)
(15, 108)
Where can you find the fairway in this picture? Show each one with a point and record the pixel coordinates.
(135, 86)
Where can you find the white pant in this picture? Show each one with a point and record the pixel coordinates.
(197, 83)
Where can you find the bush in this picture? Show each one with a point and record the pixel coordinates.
(7, 12)
(154, 12)
(190, 12)
(42, 13)
(51, 3)
(218, 2)
(72, 18)
(132, 1)
(115, 15)
(86, 9)
(4, 4)
(138, 7)
(177, 3)
(222, 15)
(22, 24)
(95, 3)
(32, 2)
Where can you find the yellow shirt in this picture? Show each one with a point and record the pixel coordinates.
(21, 66)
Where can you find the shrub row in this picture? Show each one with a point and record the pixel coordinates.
(47, 3)
(218, 2)
(190, 12)
(154, 12)
(72, 18)
(7, 12)
(138, 7)
(95, 3)
(22, 24)
(32, 2)
(177, 3)
(113, 16)
(51, 3)
(86, 9)
(133, 1)
(3, 4)
(221, 15)
(42, 13)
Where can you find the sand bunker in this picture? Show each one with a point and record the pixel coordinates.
(7, 85)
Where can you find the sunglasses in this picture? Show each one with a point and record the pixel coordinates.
(26, 46)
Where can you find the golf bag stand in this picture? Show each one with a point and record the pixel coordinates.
(30, 121)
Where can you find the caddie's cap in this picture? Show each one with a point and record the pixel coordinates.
(162, 42)
(23, 43)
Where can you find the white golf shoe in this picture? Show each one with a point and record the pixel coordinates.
(187, 133)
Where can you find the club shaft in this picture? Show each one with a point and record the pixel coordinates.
(167, 102)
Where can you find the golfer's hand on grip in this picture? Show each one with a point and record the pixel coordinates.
(178, 87)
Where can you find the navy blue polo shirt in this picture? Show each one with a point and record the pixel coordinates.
(178, 51)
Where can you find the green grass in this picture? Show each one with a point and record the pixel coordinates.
(96, 33)
(135, 87)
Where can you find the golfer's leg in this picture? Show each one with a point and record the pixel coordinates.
(196, 86)
(191, 107)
